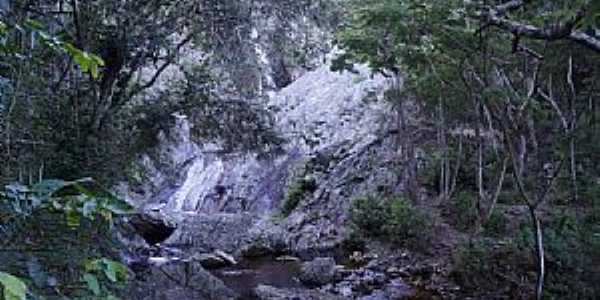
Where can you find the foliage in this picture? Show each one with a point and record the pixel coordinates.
(572, 251)
(406, 223)
(514, 78)
(394, 220)
(14, 288)
(368, 215)
(232, 122)
(496, 224)
(296, 193)
(85, 95)
(71, 197)
(80, 61)
(58, 224)
(487, 270)
(87, 62)
(464, 210)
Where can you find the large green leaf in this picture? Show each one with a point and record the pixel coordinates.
(14, 288)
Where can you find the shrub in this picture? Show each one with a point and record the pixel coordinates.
(368, 216)
(495, 225)
(395, 220)
(485, 267)
(406, 222)
(297, 192)
(572, 250)
(464, 210)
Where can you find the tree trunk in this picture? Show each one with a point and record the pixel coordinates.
(539, 249)
(572, 125)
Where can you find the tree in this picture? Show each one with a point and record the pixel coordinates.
(491, 67)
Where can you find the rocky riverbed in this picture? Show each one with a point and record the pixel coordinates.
(216, 276)
(239, 256)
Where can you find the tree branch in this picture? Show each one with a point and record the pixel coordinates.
(495, 17)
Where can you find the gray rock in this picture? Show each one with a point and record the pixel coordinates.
(212, 232)
(377, 295)
(152, 226)
(398, 289)
(265, 292)
(180, 280)
(320, 271)
(226, 257)
(215, 260)
(211, 261)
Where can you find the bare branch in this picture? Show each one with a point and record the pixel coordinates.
(495, 17)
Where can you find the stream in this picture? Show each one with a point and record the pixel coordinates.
(250, 273)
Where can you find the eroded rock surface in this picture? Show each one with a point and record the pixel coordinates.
(179, 280)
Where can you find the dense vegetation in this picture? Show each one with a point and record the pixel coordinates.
(511, 89)
(82, 95)
(60, 237)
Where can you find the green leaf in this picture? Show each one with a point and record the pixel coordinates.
(118, 206)
(94, 70)
(92, 265)
(114, 271)
(92, 283)
(3, 28)
(73, 218)
(47, 188)
(33, 24)
(14, 288)
(97, 60)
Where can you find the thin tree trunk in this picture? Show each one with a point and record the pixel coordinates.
(459, 156)
(518, 165)
(494, 200)
(539, 249)
(444, 184)
(479, 136)
(572, 124)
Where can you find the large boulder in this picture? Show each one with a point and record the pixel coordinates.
(318, 272)
(215, 260)
(152, 226)
(182, 279)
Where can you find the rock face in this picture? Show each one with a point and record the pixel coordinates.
(339, 132)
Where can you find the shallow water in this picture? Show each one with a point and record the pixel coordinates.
(249, 274)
